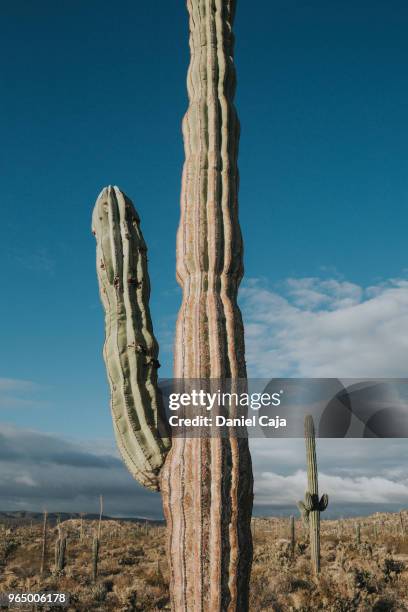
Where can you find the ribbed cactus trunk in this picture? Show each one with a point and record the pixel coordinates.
(207, 483)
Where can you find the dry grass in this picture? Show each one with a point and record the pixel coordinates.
(368, 577)
(133, 575)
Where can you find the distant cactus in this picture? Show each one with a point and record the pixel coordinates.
(44, 543)
(60, 549)
(312, 506)
(402, 526)
(339, 529)
(292, 535)
(95, 558)
(81, 527)
(358, 533)
(159, 571)
(100, 516)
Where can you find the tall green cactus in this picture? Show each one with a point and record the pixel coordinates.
(206, 484)
(312, 506)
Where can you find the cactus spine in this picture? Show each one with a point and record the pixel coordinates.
(206, 484)
(312, 506)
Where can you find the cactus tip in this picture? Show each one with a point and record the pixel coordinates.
(309, 426)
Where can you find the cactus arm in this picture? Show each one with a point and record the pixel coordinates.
(130, 349)
(207, 484)
(304, 512)
(324, 502)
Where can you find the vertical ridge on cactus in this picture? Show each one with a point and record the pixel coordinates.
(130, 349)
(207, 483)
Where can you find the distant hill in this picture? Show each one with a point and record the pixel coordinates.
(23, 517)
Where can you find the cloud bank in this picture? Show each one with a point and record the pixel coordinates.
(326, 328)
(40, 471)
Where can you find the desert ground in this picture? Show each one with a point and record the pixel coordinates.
(363, 568)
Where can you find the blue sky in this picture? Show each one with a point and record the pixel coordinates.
(93, 93)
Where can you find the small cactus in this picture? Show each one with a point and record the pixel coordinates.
(44, 543)
(95, 557)
(60, 549)
(402, 526)
(292, 535)
(312, 507)
(81, 527)
(358, 534)
(100, 516)
(375, 535)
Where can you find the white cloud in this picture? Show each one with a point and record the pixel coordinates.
(25, 479)
(40, 470)
(276, 490)
(19, 393)
(326, 328)
(351, 471)
(16, 384)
